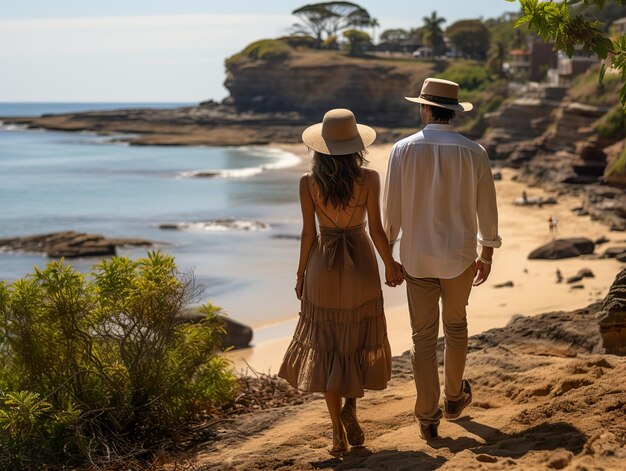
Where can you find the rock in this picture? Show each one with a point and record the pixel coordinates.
(534, 201)
(237, 335)
(601, 240)
(585, 273)
(563, 248)
(70, 244)
(483, 458)
(621, 257)
(497, 176)
(559, 459)
(613, 252)
(613, 317)
(506, 284)
(577, 287)
(574, 279)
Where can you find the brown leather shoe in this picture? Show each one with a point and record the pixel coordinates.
(355, 434)
(429, 431)
(453, 409)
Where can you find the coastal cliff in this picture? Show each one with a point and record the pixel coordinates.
(311, 83)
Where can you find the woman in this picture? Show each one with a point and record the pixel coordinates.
(340, 344)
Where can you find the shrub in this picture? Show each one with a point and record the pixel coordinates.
(617, 170)
(265, 49)
(299, 42)
(358, 41)
(469, 75)
(613, 123)
(330, 43)
(98, 366)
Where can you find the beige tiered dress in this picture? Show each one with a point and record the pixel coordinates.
(340, 343)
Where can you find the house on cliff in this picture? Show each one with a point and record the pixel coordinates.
(534, 62)
(620, 26)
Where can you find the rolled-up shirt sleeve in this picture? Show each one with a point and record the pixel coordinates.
(486, 207)
(392, 210)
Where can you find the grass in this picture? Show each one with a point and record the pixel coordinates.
(618, 168)
(586, 88)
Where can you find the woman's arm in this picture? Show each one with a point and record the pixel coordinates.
(309, 231)
(393, 273)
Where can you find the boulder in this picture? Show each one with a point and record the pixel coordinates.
(69, 244)
(621, 257)
(563, 248)
(613, 317)
(585, 273)
(574, 279)
(613, 252)
(506, 284)
(237, 334)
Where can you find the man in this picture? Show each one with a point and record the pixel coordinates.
(439, 191)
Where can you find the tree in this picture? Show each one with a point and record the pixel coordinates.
(433, 35)
(496, 58)
(470, 38)
(374, 24)
(393, 35)
(329, 18)
(358, 41)
(553, 21)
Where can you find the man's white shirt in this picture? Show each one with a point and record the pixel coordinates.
(439, 191)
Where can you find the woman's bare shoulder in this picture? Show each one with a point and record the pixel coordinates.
(370, 176)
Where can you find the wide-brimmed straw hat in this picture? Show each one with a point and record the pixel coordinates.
(441, 93)
(338, 134)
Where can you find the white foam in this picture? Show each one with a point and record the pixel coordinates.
(282, 159)
(220, 225)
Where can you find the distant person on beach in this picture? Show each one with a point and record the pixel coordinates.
(440, 193)
(553, 224)
(340, 344)
(524, 197)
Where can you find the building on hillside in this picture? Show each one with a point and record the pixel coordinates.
(423, 52)
(570, 67)
(619, 26)
(532, 63)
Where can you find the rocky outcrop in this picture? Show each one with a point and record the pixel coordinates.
(563, 248)
(514, 129)
(237, 335)
(312, 83)
(69, 244)
(613, 317)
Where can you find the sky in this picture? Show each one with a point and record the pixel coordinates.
(159, 50)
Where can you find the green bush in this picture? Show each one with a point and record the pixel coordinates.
(613, 123)
(358, 41)
(299, 42)
(618, 168)
(94, 367)
(469, 75)
(265, 49)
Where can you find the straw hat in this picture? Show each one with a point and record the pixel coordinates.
(441, 93)
(338, 134)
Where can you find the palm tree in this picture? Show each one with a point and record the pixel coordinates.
(374, 24)
(433, 33)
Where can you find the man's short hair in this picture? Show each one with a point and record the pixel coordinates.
(442, 114)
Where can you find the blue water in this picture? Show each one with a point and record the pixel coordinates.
(53, 181)
(37, 109)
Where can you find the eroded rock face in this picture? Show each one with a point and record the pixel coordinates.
(312, 84)
(69, 244)
(613, 317)
(237, 335)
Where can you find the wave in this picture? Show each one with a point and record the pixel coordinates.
(13, 127)
(218, 225)
(283, 159)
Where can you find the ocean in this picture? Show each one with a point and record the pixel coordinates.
(235, 230)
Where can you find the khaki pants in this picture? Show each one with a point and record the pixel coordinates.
(423, 295)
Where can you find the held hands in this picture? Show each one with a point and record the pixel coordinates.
(393, 275)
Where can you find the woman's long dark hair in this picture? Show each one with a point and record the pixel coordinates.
(335, 176)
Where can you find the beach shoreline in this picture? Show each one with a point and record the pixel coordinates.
(522, 228)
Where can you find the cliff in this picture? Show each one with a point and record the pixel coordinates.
(311, 83)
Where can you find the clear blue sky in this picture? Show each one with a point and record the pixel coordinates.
(158, 50)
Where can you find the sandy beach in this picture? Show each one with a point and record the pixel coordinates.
(534, 289)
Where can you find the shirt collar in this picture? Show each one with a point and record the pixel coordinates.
(438, 127)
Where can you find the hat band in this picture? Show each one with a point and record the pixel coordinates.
(440, 99)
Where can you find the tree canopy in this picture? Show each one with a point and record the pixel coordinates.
(470, 38)
(330, 17)
(567, 27)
